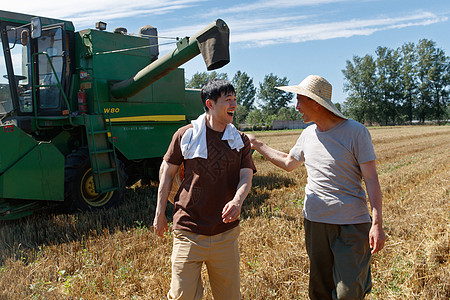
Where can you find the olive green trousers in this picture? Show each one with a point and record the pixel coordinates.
(339, 260)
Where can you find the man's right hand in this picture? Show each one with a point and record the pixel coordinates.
(160, 225)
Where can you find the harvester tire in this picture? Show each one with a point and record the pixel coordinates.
(79, 192)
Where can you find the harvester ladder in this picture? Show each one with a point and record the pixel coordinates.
(102, 151)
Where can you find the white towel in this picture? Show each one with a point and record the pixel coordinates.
(193, 142)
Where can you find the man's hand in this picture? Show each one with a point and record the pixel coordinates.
(377, 238)
(160, 225)
(168, 172)
(252, 139)
(232, 209)
(231, 212)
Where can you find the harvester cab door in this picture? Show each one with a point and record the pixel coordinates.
(15, 70)
(50, 60)
(33, 72)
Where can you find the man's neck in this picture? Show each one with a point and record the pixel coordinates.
(214, 125)
(328, 121)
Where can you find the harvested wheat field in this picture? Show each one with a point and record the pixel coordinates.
(114, 255)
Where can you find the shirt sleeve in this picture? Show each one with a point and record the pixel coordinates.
(363, 147)
(297, 151)
(173, 154)
(247, 160)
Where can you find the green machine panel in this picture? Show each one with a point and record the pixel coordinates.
(35, 171)
(39, 175)
(14, 144)
(149, 140)
(148, 134)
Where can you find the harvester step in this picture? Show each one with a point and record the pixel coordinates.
(99, 131)
(102, 171)
(102, 151)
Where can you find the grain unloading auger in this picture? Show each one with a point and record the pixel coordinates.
(80, 118)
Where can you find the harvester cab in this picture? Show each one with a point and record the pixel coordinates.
(35, 70)
(83, 114)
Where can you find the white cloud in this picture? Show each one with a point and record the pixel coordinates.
(265, 5)
(300, 33)
(87, 12)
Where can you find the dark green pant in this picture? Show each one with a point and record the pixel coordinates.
(339, 258)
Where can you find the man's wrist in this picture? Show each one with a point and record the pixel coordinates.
(237, 202)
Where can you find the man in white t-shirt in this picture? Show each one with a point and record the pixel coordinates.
(340, 233)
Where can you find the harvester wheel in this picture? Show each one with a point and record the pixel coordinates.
(79, 187)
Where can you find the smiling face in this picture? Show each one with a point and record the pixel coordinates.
(222, 110)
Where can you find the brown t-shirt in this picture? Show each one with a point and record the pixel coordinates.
(208, 184)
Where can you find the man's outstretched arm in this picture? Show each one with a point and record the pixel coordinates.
(278, 158)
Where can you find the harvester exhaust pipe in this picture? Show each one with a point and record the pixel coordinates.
(212, 42)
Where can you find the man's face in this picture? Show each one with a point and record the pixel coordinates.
(224, 108)
(306, 107)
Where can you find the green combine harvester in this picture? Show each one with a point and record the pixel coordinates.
(84, 114)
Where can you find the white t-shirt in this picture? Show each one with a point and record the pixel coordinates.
(334, 192)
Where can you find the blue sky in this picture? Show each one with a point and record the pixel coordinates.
(289, 38)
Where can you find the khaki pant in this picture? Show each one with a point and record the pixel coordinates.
(219, 252)
(339, 258)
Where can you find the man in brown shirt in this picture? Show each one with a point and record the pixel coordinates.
(218, 171)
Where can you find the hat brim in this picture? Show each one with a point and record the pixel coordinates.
(302, 91)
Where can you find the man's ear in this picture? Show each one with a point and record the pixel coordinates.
(209, 104)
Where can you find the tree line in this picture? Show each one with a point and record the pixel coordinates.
(397, 86)
(257, 107)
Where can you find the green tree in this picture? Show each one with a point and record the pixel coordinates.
(424, 51)
(438, 80)
(245, 89)
(388, 83)
(442, 88)
(199, 79)
(288, 114)
(360, 81)
(259, 118)
(245, 95)
(273, 99)
(240, 114)
(408, 78)
(255, 118)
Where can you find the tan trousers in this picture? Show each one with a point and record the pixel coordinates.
(219, 252)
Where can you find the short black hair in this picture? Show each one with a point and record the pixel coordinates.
(215, 88)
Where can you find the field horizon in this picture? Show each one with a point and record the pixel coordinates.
(114, 254)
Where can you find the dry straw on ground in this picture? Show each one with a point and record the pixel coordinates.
(114, 255)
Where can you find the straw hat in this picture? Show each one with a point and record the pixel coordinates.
(316, 88)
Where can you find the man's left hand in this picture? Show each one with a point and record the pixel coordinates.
(231, 212)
